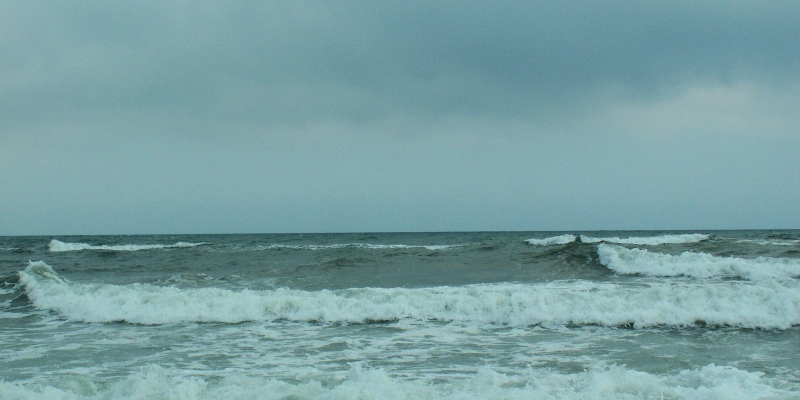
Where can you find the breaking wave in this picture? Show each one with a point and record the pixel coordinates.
(552, 241)
(650, 240)
(740, 304)
(598, 382)
(56, 245)
(697, 265)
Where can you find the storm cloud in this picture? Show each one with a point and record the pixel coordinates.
(150, 117)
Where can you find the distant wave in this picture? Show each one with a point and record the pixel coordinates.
(764, 305)
(772, 242)
(56, 245)
(599, 382)
(356, 245)
(9, 248)
(649, 240)
(697, 265)
(552, 241)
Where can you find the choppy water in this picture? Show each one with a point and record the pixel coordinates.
(423, 315)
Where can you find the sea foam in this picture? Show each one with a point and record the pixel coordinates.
(356, 245)
(56, 245)
(773, 242)
(598, 382)
(697, 265)
(552, 241)
(649, 240)
(741, 304)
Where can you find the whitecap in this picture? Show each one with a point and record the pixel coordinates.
(356, 245)
(698, 265)
(774, 242)
(649, 240)
(552, 241)
(56, 245)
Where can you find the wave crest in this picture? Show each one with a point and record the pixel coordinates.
(766, 305)
(356, 245)
(697, 265)
(650, 240)
(552, 241)
(56, 245)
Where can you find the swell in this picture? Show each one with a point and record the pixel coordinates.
(767, 305)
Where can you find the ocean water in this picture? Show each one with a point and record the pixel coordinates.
(486, 315)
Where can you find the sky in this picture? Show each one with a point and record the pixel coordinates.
(137, 117)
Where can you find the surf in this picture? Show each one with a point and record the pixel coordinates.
(696, 265)
(766, 305)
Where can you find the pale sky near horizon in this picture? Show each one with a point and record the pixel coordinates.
(244, 116)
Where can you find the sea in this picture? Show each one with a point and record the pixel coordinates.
(470, 315)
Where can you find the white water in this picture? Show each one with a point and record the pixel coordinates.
(650, 240)
(747, 305)
(56, 245)
(599, 382)
(697, 265)
(552, 241)
(774, 242)
(358, 245)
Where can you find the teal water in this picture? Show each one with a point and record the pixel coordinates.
(411, 315)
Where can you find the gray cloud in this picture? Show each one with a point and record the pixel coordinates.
(289, 62)
(293, 116)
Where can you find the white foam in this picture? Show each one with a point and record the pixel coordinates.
(697, 265)
(552, 241)
(357, 245)
(599, 382)
(774, 242)
(650, 240)
(56, 245)
(765, 305)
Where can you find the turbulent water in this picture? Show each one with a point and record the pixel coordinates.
(567, 315)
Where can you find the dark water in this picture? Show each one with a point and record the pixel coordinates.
(407, 315)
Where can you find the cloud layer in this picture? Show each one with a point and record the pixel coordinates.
(329, 116)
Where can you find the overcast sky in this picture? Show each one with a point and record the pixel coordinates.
(244, 116)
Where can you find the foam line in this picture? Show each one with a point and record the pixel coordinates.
(774, 242)
(357, 245)
(741, 304)
(649, 240)
(599, 382)
(56, 245)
